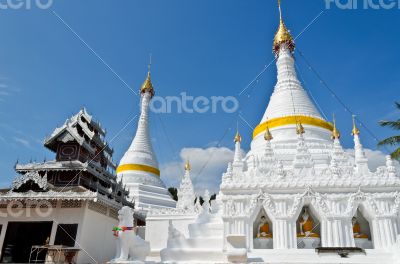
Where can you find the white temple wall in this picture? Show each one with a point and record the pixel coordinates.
(284, 233)
(398, 224)
(56, 215)
(332, 215)
(337, 233)
(94, 235)
(96, 238)
(384, 232)
(157, 229)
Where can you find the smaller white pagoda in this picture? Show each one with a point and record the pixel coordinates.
(138, 168)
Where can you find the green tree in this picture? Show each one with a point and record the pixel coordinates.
(393, 141)
(174, 193)
(212, 197)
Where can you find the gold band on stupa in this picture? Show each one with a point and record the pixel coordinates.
(138, 167)
(292, 120)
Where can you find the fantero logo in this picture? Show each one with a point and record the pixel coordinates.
(25, 4)
(26, 208)
(362, 4)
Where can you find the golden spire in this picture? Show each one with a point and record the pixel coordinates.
(147, 85)
(335, 131)
(237, 138)
(282, 36)
(268, 135)
(187, 166)
(355, 130)
(300, 129)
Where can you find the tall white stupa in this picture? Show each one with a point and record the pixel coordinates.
(290, 106)
(138, 168)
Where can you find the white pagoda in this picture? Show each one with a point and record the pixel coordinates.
(295, 197)
(138, 168)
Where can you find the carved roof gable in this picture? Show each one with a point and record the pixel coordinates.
(30, 176)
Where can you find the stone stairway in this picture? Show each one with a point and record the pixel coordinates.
(204, 245)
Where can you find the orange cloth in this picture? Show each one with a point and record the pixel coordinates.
(356, 228)
(308, 227)
(264, 229)
(357, 231)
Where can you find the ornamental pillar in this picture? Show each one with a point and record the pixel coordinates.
(337, 232)
(384, 232)
(284, 232)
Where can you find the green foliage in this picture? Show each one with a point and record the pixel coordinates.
(174, 193)
(393, 140)
(212, 197)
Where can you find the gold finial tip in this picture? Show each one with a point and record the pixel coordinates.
(335, 131)
(300, 129)
(355, 130)
(283, 35)
(237, 138)
(187, 166)
(268, 136)
(147, 86)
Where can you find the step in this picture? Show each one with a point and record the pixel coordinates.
(206, 230)
(201, 243)
(192, 256)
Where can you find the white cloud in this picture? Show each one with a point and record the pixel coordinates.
(23, 142)
(207, 164)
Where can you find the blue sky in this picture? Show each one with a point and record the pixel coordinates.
(204, 48)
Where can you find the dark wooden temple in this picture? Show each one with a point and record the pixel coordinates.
(82, 159)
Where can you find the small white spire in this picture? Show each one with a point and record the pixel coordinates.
(237, 158)
(302, 159)
(360, 160)
(186, 195)
(227, 176)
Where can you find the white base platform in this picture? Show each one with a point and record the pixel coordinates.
(263, 243)
(308, 256)
(193, 255)
(128, 262)
(363, 243)
(294, 256)
(308, 242)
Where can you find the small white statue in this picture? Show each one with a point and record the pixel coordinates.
(130, 247)
(214, 206)
(197, 207)
(174, 236)
(206, 203)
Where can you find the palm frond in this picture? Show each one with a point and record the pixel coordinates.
(392, 124)
(390, 141)
(397, 105)
(396, 154)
